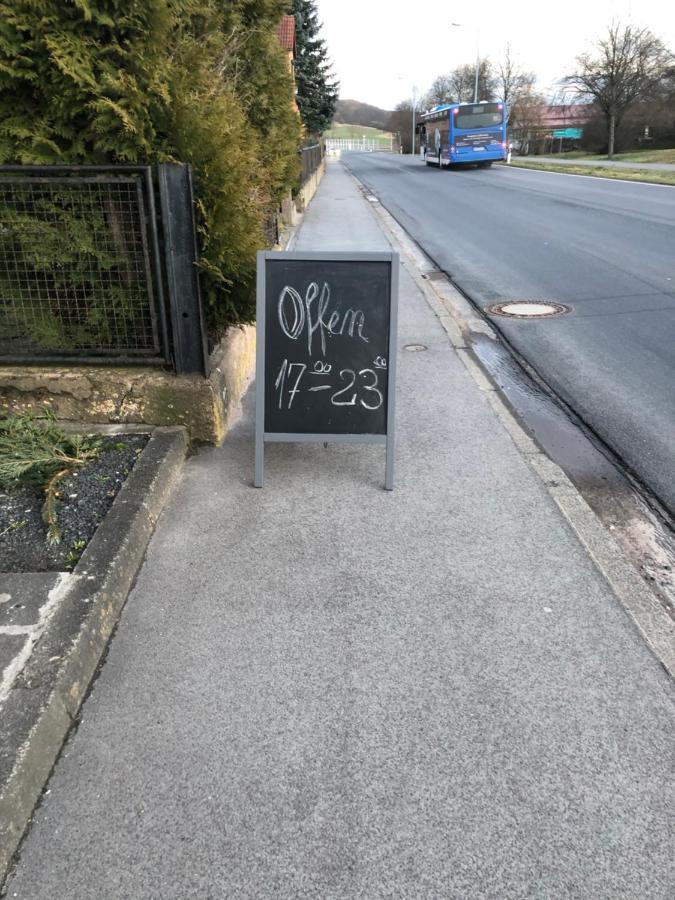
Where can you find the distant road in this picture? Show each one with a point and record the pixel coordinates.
(607, 248)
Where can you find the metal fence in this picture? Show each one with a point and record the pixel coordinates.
(365, 145)
(311, 160)
(86, 262)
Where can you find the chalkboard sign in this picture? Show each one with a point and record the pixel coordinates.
(326, 347)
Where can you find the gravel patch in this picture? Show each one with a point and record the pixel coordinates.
(85, 498)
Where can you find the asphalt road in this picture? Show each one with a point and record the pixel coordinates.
(607, 248)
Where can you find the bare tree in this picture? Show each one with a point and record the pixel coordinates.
(628, 66)
(462, 82)
(512, 83)
(400, 123)
(526, 118)
(458, 86)
(441, 91)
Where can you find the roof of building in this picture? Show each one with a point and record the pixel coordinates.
(567, 114)
(286, 33)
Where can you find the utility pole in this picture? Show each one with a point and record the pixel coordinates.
(413, 119)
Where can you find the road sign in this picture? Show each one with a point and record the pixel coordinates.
(568, 133)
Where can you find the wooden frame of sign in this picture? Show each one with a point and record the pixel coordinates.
(326, 351)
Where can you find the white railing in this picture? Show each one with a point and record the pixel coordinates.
(365, 145)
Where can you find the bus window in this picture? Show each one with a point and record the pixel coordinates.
(481, 115)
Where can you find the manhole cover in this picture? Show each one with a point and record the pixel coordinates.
(415, 348)
(528, 309)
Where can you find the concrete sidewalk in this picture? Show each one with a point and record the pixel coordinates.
(323, 690)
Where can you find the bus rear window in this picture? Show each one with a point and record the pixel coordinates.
(481, 115)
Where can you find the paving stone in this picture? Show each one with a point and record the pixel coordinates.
(10, 646)
(22, 595)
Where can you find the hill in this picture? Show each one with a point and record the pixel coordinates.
(362, 135)
(353, 112)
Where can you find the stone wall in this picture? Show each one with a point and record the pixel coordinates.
(150, 396)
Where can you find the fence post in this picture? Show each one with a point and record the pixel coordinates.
(180, 257)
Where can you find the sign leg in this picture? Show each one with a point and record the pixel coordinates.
(259, 460)
(389, 464)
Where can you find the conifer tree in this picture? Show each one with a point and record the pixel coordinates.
(145, 81)
(317, 90)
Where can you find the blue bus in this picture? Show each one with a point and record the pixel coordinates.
(459, 133)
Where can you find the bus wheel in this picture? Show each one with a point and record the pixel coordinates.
(485, 165)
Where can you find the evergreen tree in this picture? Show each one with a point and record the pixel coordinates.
(145, 81)
(317, 90)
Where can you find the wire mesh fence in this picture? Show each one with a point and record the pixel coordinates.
(76, 267)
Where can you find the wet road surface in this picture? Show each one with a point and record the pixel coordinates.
(606, 248)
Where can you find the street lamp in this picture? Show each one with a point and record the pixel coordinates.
(475, 81)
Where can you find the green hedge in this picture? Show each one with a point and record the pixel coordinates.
(146, 81)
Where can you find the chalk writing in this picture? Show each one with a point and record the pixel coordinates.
(362, 387)
(313, 314)
(279, 384)
(377, 399)
(334, 400)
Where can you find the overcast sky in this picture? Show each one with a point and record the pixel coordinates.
(381, 48)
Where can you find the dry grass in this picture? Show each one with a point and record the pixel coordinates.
(638, 156)
(648, 176)
(40, 452)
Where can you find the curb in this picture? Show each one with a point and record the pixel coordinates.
(43, 704)
(458, 319)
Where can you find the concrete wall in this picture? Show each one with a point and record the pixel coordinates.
(292, 208)
(308, 189)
